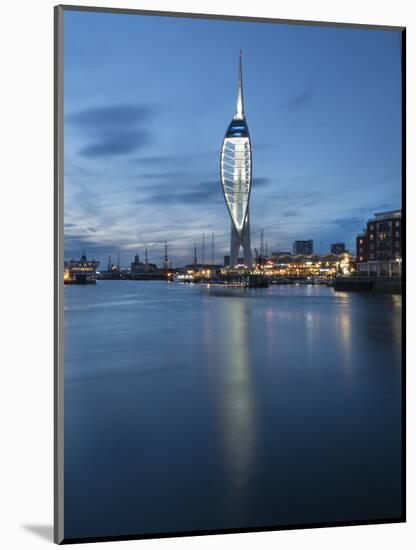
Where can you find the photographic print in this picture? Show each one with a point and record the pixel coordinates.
(229, 265)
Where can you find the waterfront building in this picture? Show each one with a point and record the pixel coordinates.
(139, 267)
(303, 247)
(136, 265)
(379, 246)
(227, 260)
(312, 266)
(337, 248)
(361, 247)
(236, 176)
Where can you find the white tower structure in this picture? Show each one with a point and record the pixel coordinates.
(236, 178)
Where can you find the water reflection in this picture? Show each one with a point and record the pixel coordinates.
(397, 301)
(272, 333)
(266, 407)
(311, 327)
(396, 319)
(344, 332)
(237, 402)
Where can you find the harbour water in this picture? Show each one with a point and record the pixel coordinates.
(191, 408)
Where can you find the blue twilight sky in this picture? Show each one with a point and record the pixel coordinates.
(147, 102)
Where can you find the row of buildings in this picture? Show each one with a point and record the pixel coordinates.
(378, 253)
(306, 248)
(300, 250)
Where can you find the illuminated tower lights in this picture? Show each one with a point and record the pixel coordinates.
(236, 176)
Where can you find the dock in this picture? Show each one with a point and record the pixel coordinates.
(388, 285)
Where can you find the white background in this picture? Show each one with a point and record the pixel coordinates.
(26, 300)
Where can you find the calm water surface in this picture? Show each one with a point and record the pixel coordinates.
(192, 408)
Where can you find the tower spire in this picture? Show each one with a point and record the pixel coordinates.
(239, 113)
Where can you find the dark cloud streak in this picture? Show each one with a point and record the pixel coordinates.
(208, 191)
(113, 130)
(119, 143)
(301, 99)
(111, 116)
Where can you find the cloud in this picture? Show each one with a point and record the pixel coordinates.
(74, 244)
(196, 194)
(113, 130)
(76, 170)
(120, 143)
(300, 99)
(348, 223)
(180, 159)
(289, 213)
(161, 175)
(111, 116)
(206, 192)
(257, 182)
(356, 218)
(162, 160)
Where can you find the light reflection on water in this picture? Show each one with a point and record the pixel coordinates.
(237, 399)
(201, 408)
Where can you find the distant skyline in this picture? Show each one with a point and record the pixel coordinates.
(148, 99)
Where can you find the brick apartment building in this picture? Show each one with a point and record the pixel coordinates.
(380, 244)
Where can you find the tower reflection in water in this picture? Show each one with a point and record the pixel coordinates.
(237, 405)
